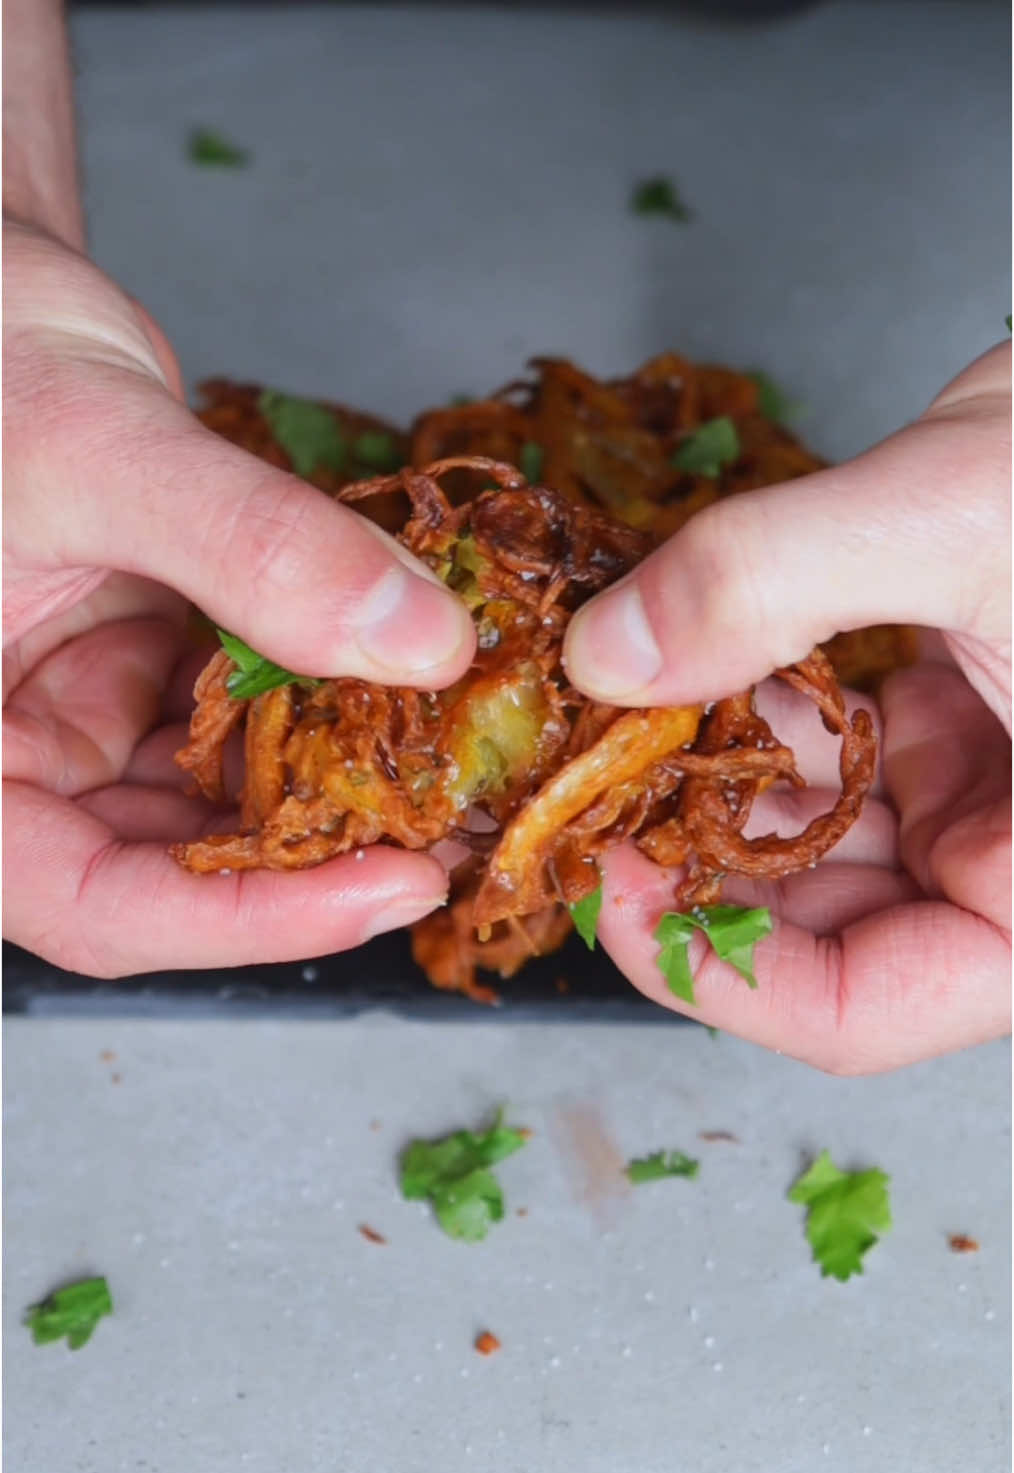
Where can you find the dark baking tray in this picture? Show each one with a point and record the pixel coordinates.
(378, 975)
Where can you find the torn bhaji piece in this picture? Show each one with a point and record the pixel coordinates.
(531, 781)
(633, 447)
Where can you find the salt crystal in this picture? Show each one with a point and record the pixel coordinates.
(709, 1341)
(717, 1366)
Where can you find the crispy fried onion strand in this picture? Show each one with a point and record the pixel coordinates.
(538, 781)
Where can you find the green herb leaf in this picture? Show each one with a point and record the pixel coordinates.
(453, 1172)
(466, 1208)
(673, 934)
(772, 401)
(254, 674)
(377, 449)
(209, 148)
(457, 401)
(307, 432)
(530, 460)
(707, 449)
(848, 1213)
(732, 933)
(659, 196)
(662, 1163)
(1007, 319)
(73, 1311)
(585, 914)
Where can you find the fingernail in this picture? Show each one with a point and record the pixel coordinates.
(403, 912)
(610, 651)
(407, 624)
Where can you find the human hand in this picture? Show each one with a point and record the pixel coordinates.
(896, 947)
(120, 507)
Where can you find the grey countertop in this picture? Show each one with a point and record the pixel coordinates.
(435, 195)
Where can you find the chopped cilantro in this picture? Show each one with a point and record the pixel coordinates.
(209, 148)
(848, 1212)
(662, 1163)
(707, 449)
(73, 1311)
(457, 401)
(453, 1172)
(376, 449)
(308, 433)
(254, 674)
(530, 460)
(772, 401)
(1007, 319)
(659, 196)
(731, 931)
(585, 914)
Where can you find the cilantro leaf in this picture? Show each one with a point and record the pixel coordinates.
(453, 1172)
(377, 449)
(209, 148)
(713, 445)
(1008, 320)
(308, 433)
(73, 1311)
(659, 196)
(732, 933)
(848, 1212)
(254, 674)
(661, 1164)
(467, 1207)
(585, 914)
(772, 401)
(530, 460)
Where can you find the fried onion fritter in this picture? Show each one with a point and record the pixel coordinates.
(533, 780)
(606, 445)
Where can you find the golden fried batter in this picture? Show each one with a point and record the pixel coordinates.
(608, 445)
(532, 778)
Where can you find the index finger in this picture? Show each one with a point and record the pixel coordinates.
(908, 983)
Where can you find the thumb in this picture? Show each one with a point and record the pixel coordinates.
(130, 480)
(106, 470)
(915, 531)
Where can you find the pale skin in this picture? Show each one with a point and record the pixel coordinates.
(120, 508)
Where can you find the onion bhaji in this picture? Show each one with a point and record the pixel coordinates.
(531, 779)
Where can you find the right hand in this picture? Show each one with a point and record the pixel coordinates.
(897, 946)
(120, 508)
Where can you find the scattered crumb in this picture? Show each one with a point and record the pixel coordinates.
(959, 1243)
(525, 1133)
(486, 1343)
(115, 1078)
(718, 1135)
(376, 1125)
(562, 985)
(522, 1212)
(107, 1055)
(370, 1234)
